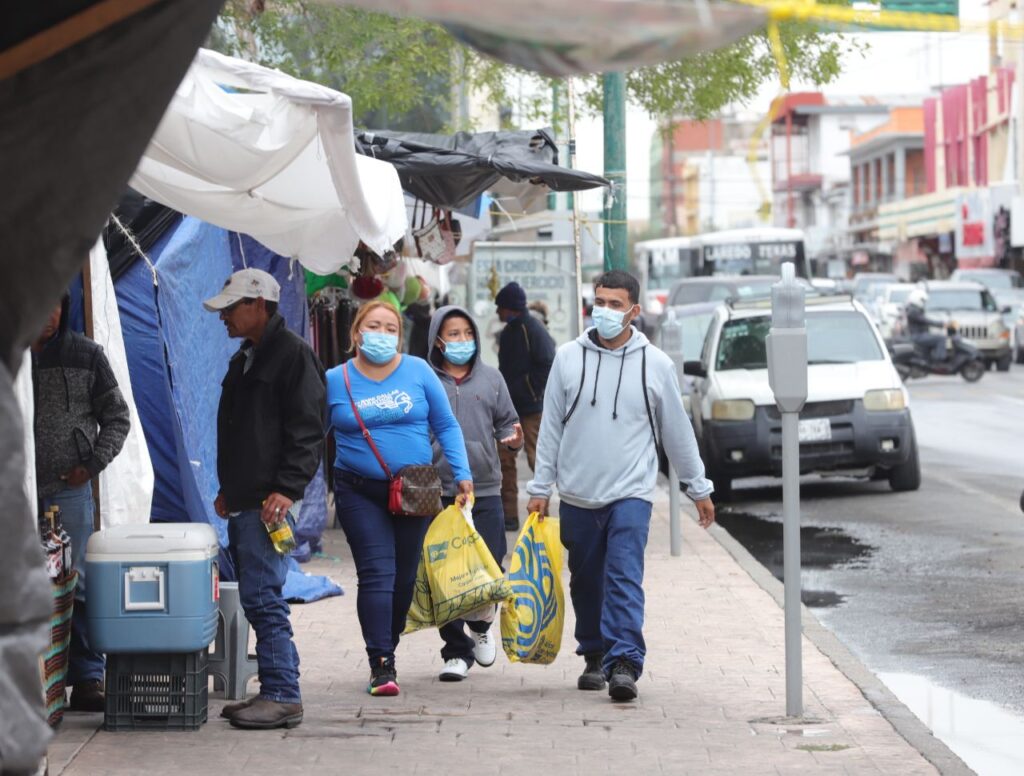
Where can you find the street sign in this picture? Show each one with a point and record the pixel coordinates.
(547, 273)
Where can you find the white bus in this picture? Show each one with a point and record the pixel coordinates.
(756, 251)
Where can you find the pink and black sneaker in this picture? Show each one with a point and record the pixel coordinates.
(383, 678)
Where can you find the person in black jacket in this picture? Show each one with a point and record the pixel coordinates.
(525, 354)
(919, 326)
(269, 434)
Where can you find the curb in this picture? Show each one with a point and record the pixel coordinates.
(877, 694)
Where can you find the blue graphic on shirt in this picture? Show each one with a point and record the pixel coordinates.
(385, 407)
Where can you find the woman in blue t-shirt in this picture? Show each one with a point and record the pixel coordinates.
(401, 401)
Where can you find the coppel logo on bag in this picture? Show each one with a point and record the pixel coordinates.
(436, 552)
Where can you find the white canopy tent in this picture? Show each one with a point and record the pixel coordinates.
(256, 151)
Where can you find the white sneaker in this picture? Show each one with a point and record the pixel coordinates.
(485, 648)
(455, 670)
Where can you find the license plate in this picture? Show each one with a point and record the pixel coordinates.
(817, 430)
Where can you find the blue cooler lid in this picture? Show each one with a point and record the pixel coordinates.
(153, 541)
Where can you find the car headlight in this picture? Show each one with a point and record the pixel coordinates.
(733, 409)
(886, 400)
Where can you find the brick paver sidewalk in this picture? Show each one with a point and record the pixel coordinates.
(713, 676)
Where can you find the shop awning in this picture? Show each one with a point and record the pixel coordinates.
(450, 171)
(256, 151)
(923, 216)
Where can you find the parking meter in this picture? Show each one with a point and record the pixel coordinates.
(787, 343)
(787, 375)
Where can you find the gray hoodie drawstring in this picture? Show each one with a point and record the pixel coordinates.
(597, 377)
(615, 407)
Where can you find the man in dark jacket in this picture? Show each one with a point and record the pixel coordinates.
(269, 433)
(81, 421)
(525, 354)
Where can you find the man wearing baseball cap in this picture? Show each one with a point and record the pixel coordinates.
(269, 433)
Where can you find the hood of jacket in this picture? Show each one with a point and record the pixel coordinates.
(597, 357)
(436, 358)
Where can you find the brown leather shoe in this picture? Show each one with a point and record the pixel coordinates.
(87, 696)
(262, 714)
(232, 709)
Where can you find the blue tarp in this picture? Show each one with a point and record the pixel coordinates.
(177, 356)
(303, 588)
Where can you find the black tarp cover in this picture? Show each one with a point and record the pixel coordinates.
(450, 171)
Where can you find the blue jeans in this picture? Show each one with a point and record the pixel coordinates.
(489, 519)
(261, 573)
(606, 568)
(76, 512)
(386, 550)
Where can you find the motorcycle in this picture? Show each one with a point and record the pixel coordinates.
(962, 358)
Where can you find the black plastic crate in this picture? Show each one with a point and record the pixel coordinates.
(156, 691)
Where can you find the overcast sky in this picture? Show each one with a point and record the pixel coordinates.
(895, 63)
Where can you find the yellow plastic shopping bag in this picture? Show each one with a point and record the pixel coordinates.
(457, 573)
(531, 622)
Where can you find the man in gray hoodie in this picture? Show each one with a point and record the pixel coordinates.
(483, 407)
(611, 398)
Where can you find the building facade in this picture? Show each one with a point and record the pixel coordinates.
(812, 180)
(961, 219)
(702, 179)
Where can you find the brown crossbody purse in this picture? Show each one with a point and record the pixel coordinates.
(416, 490)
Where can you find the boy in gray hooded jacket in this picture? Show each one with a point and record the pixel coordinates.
(611, 398)
(481, 402)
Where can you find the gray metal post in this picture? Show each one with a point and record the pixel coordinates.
(675, 534)
(671, 341)
(787, 375)
(791, 561)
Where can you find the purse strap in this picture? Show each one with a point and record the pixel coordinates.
(359, 418)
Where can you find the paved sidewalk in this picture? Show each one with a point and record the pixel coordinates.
(712, 684)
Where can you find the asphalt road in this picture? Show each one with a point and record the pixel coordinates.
(929, 583)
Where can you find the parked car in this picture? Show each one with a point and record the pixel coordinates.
(856, 420)
(718, 289)
(977, 317)
(995, 280)
(890, 309)
(694, 321)
(1011, 303)
(862, 282)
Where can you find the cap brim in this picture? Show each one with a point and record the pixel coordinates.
(219, 302)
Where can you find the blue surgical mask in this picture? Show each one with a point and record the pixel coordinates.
(609, 322)
(460, 353)
(379, 347)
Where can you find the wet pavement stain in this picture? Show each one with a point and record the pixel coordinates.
(821, 548)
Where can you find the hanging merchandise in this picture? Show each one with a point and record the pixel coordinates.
(367, 287)
(64, 578)
(395, 279)
(411, 291)
(434, 239)
(315, 282)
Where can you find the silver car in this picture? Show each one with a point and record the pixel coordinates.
(976, 315)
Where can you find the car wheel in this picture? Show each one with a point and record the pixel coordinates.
(907, 476)
(973, 371)
(1003, 364)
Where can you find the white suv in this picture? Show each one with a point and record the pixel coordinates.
(856, 420)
